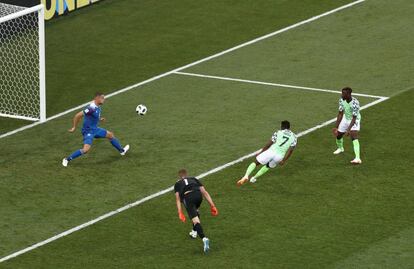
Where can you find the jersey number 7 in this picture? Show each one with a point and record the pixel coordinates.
(284, 142)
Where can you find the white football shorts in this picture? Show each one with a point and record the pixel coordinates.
(343, 126)
(269, 157)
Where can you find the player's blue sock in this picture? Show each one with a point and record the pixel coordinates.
(75, 155)
(116, 144)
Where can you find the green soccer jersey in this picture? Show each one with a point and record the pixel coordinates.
(282, 141)
(350, 109)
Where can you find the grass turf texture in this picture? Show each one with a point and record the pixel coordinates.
(325, 221)
(318, 210)
(181, 129)
(115, 44)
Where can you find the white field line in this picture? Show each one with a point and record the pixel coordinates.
(273, 84)
(191, 64)
(18, 117)
(154, 195)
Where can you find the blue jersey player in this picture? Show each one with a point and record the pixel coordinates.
(91, 117)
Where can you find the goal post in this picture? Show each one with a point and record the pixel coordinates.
(22, 62)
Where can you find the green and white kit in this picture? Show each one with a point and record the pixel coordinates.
(350, 110)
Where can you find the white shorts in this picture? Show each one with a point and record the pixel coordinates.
(343, 126)
(269, 157)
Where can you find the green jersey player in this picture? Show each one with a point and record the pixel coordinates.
(276, 152)
(348, 123)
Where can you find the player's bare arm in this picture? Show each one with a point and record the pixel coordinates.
(338, 121)
(76, 119)
(206, 195)
(179, 208)
(348, 131)
(266, 147)
(287, 156)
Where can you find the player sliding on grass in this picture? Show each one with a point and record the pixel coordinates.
(276, 151)
(190, 192)
(90, 129)
(348, 125)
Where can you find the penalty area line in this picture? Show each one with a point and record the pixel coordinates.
(277, 32)
(273, 84)
(162, 192)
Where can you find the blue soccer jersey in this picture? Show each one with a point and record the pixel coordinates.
(92, 116)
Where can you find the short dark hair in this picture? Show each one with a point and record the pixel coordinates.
(285, 125)
(347, 89)
(98, 94)
(182, 173)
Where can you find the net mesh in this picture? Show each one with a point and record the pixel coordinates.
(19, 64)
(6, 9)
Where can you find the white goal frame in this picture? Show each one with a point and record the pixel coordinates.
(42, 66)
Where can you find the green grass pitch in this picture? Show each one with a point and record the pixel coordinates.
(316, 212)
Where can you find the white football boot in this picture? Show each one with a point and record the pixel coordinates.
(193, 234)
(126, 148)
(206, 244)
(356, 161)
(338, 151)
(65, 162)
(253, 180)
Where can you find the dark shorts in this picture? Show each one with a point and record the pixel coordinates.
(89, 135)
(192, 202)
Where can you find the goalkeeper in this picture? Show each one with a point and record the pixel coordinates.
(190, 192)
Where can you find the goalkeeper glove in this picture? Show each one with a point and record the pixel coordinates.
(214, 211)
(181, 216)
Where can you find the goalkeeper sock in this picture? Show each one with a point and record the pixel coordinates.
(262, 171)
(199, 230)
(75, 155)
(340, 143)
(250, 169)
(356, 148)
(116, 144)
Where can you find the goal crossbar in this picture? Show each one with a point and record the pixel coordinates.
(21, 13)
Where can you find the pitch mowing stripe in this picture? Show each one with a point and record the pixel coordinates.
(167, 190)
(190, 65)
(273, 84)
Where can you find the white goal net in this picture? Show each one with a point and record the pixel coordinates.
(22, 62)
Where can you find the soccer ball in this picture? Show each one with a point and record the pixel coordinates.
(141, 110)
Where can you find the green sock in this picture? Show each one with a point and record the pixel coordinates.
(340, 143)
(356, 148)
(262, 171)
(250, 169)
